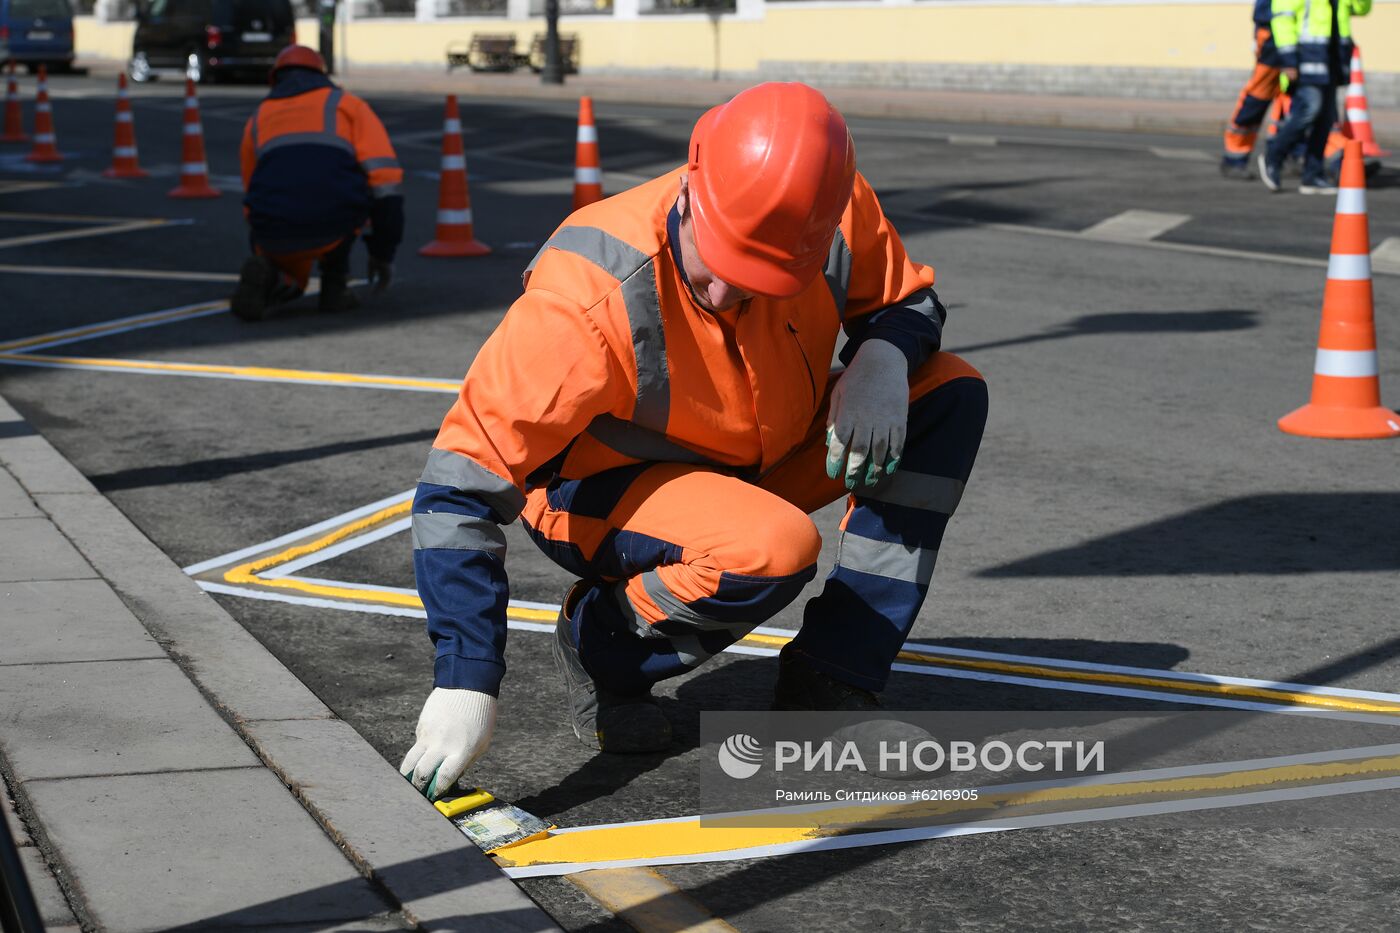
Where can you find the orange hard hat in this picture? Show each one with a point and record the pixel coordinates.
(298, 56)
(770, 173)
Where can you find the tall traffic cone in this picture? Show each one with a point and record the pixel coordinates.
(1358, 113)
(455, 236)
(45, 143)
(124, 164)
(1346, 392)
(588, 173)
(194, 170)
(14, 116)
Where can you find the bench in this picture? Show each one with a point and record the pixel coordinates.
(485, 52)
(568, 53)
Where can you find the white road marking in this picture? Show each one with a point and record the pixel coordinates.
(1135, 225)
(1386, 256)
(1184, 155)
(969, 139)
(101, 272)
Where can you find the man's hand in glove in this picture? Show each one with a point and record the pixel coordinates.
(380, 274)
(869, 415)
(454, 730)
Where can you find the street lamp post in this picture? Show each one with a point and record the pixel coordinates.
(553, 71)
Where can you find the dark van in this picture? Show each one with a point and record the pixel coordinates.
(35, 32)
(208, 38)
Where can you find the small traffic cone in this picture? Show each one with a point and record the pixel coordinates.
(194, 170)
(455, 236)
(588, 173)
(1346, 392)
(14, 116)
(124, 164)
(45, 143)
(1358, 113)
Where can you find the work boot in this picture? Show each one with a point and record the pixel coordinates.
(256, 282)
(607, 721)
(1236, 167)
(335, 287)
(803, 688)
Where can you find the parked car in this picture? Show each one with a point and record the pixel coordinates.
(204, 39)
(35, 32)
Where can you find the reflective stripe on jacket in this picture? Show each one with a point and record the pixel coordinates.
(606, 360)
(1303, 34)
(314, 162)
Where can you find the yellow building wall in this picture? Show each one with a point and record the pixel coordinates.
(1149, 35)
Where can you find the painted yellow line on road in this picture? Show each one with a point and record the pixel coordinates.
(247, 574)
(647, 902)
(97, 330)
(103, 272)
(105, 230)
(264, 373)
(681, 838)
(1293, 698)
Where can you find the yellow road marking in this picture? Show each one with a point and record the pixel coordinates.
(648, 902)
(1136, 680)
(103, 272)
(36, 238)
(97, 330)
(251, 372)
(724, 834)
(247, 574)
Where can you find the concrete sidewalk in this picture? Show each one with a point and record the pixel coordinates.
(164, 771)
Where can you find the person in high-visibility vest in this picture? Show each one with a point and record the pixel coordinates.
(317, 166)
(657, 409)
(1258, 93)
(1314, 49)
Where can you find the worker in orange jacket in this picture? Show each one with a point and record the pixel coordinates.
(317, 166)
(668, 440)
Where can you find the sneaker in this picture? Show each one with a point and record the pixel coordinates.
(602, 719)
(1236, 167)
(1268, 174)
(1317, 186)
(256, 282)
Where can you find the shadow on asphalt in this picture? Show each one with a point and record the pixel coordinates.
(202, 471)
(1132, 322)
(1278, 533)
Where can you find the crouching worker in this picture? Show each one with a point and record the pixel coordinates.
(317, 167)
(657, 409)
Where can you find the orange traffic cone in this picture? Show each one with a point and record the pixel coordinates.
(45, 143)
(455, 236)
(14, 116)
(1346, 392)
(1358, 113)
(194, 170)
(588, 173)
(124, 164)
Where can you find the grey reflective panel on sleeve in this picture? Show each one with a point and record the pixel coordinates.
(925, 302)
(370, 165)
(917, 491)
(446, 468)
(888, 559)
(253, 128)
(385, 191)
(452, 531)
(599, 247)
(643, 444)
(838, 271)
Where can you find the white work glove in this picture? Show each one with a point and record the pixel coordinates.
(454, 730)
(869, 415)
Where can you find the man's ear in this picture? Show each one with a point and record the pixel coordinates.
(683, 198)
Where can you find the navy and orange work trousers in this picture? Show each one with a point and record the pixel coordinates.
(680, 561)
(295, 265)
(1253, 104)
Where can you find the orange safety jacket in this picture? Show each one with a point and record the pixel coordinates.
(606, 360)
(317, 164)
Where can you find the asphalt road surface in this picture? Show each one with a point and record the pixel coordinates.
(1133, 503)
